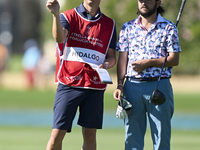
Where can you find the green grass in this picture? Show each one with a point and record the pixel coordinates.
(23, 138)
(185, 140)
(36, 99)
(187, 102)
(15, 63)
(29, 99)
(32, 138)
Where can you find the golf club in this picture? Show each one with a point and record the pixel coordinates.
(158, 98)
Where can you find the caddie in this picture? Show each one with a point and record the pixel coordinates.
(85, 36)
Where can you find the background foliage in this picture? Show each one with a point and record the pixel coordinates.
(189, 32)
(30, 19)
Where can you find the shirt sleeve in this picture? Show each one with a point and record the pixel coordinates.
(64, 22)
(172, 41)
(122, 44)
(113, 40)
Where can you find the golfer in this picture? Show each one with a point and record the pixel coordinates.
(143, 44)
(85, 36)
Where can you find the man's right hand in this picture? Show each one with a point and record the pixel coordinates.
(53, 7)
(118, 93)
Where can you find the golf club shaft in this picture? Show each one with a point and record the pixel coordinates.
(180, 11)
(177, 21)
(162, 69)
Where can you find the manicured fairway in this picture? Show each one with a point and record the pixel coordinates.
(35, 99)
(31, 138)
(35, 138)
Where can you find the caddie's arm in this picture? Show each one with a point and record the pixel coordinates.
(59, 33)
(110, 59)
(121, 71)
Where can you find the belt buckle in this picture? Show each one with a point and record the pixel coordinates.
(152, 79)
(138, 80)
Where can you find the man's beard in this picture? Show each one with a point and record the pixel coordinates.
(149, 12)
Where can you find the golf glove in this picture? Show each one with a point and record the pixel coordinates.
(121, 113)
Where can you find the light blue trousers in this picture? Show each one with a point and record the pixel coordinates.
(159, 116)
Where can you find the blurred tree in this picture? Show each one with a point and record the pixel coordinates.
(25, 21)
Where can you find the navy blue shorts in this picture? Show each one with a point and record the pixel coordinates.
(69, 99)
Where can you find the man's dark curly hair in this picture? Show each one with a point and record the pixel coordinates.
(161, 10)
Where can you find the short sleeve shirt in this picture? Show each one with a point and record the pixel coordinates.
(161, 38)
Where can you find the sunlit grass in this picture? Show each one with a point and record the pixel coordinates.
(31, 99)
(31, 138)
(23, 138)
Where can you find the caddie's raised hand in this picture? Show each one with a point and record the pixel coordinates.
(53, 7)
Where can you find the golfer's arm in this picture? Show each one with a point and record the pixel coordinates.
(172, 60)
(121, 66)
(59, 33)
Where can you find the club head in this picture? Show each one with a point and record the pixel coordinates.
(158, 98)
(126, 105)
